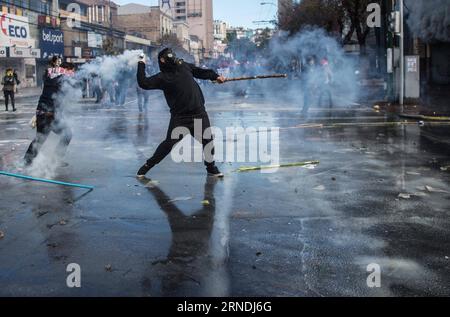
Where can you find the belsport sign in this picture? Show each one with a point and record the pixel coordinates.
(15, 30)
(51, 42)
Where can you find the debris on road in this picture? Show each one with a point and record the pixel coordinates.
(435, 190)
(180, 199)
(404, 196)
(206, 203)
(445, 168)
(2, 235)
(308, 164)
(61, 223)
(319, 188)
(108, 268)
(42, 213)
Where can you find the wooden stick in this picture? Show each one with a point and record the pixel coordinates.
(257, 77)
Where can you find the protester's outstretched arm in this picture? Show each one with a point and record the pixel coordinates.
(203, 73)
(148, 83)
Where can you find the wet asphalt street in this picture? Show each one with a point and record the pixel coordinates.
(380, 195)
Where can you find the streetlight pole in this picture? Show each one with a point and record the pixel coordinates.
(402, 57)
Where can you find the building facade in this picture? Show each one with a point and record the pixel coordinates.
(20, 37)
(88, 29)
(199, 14)
(220, 30)
(152, 23)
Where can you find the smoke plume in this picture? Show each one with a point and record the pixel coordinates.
(429, 20)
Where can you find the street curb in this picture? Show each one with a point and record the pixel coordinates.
(423, 118)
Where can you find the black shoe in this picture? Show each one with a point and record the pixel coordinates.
(14, 109)
(27, 162)
(214, 172)
(143, 171)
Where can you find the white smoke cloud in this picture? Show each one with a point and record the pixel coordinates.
(429, 20)
(110, 68)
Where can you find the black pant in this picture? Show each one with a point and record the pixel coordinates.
(143, 98)
(98, 94)
(46, 123)
(9, 94)
(325, 91)
(166, 146)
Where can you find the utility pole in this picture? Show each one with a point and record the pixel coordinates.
(402, 57)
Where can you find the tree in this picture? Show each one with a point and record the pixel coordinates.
(356, 13)
(326, 14)
(108, 46)
(262, 38)
(343, 18)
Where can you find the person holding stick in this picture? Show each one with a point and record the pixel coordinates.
(185, 100)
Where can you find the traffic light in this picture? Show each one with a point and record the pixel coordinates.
(394, 22)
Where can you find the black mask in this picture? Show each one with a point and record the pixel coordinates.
(171, 60)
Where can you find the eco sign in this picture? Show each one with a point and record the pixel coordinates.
(14, 30)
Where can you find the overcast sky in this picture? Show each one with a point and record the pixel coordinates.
(235, 12)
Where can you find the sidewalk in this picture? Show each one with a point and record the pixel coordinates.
(433, 106)
(25, 92)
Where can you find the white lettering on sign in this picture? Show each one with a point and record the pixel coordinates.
(51, 37)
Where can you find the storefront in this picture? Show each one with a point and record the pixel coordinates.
(18, 49)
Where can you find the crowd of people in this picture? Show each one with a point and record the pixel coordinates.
(113, 92)
(314, 75)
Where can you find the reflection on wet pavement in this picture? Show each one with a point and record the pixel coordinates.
(379, 195)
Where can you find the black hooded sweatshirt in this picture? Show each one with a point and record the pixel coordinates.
(52, 85)
(183, 94)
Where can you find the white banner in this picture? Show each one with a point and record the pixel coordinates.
(15, 30)
(24, 52)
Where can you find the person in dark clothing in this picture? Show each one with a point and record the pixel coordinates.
(48, 112)
(326, 79)
(9, 83)
(96, 88)
(143, 98)
(122, 85)
(185, 100)
(310, 75)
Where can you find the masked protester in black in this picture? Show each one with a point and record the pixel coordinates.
(9, 83)
(48, 112)
(186, 102)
